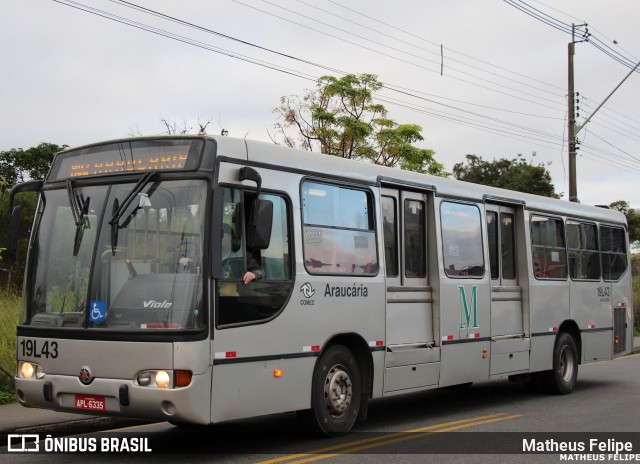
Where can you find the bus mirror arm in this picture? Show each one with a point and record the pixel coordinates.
(247, 173)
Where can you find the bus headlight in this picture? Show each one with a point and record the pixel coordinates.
(163, 379)
(29, 370)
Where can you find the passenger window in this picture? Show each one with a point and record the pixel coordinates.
(508, 246)
(549, 256)
(462, 240)
(339, 236)
(614, 252)
(502, 252)
(492, 232)
(414, 238)
(584, 259)
(264, 297)
(390, 231)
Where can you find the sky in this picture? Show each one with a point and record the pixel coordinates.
(483, 77)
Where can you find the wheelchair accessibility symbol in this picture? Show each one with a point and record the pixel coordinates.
(98, 311)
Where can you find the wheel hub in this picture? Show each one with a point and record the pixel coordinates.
(566, 364)
(338, 390)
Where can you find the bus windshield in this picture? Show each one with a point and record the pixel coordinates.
(123, 257)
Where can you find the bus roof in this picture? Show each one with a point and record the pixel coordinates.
(314, 164)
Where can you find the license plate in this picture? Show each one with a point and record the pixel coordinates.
(90, 403)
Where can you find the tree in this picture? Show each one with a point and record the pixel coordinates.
(172, 127)
(516, 174)
(633, 218)
(340, 118)
(18, 165)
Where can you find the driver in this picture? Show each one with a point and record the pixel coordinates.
(253, 269)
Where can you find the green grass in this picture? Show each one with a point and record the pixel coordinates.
(9, 313)
(7, 393)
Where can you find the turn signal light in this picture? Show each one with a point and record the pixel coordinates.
(183, 378)
(277, 373)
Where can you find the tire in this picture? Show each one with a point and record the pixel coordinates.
(562, 378)
(335, 394)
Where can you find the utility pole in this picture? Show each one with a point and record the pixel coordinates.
(571, 116)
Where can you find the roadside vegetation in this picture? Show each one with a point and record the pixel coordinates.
(9, 307)
(635, 269)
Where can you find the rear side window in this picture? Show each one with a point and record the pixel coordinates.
(549, 256)
(462, 240)
(584, 259)
(339, 234)
(613, 246)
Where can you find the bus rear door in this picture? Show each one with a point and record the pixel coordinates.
(509, 346)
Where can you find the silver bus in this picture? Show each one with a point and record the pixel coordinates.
(200, 279)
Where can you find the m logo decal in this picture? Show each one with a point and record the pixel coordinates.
(468, 314)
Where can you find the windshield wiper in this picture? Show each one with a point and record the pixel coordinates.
(119, 209)
(79, 209)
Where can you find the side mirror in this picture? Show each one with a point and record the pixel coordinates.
(261, 218)
(259, 226)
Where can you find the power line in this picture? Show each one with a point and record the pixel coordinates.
(613, 128)
(556, 24)
(192, 25)
(404, 31)
(185, 23)
(635, 60)
(437, 53)
(477, 121)
(491, 125)
(632, 157)
(190, 41)
(182, 39)
(616, 116)
(480, 125)
(566, 28)
(436, 71)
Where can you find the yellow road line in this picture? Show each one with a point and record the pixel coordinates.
(390, 438)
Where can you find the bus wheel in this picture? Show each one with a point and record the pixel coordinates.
(562, 378)
(335, 393)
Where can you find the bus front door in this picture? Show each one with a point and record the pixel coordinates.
(412, 358)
